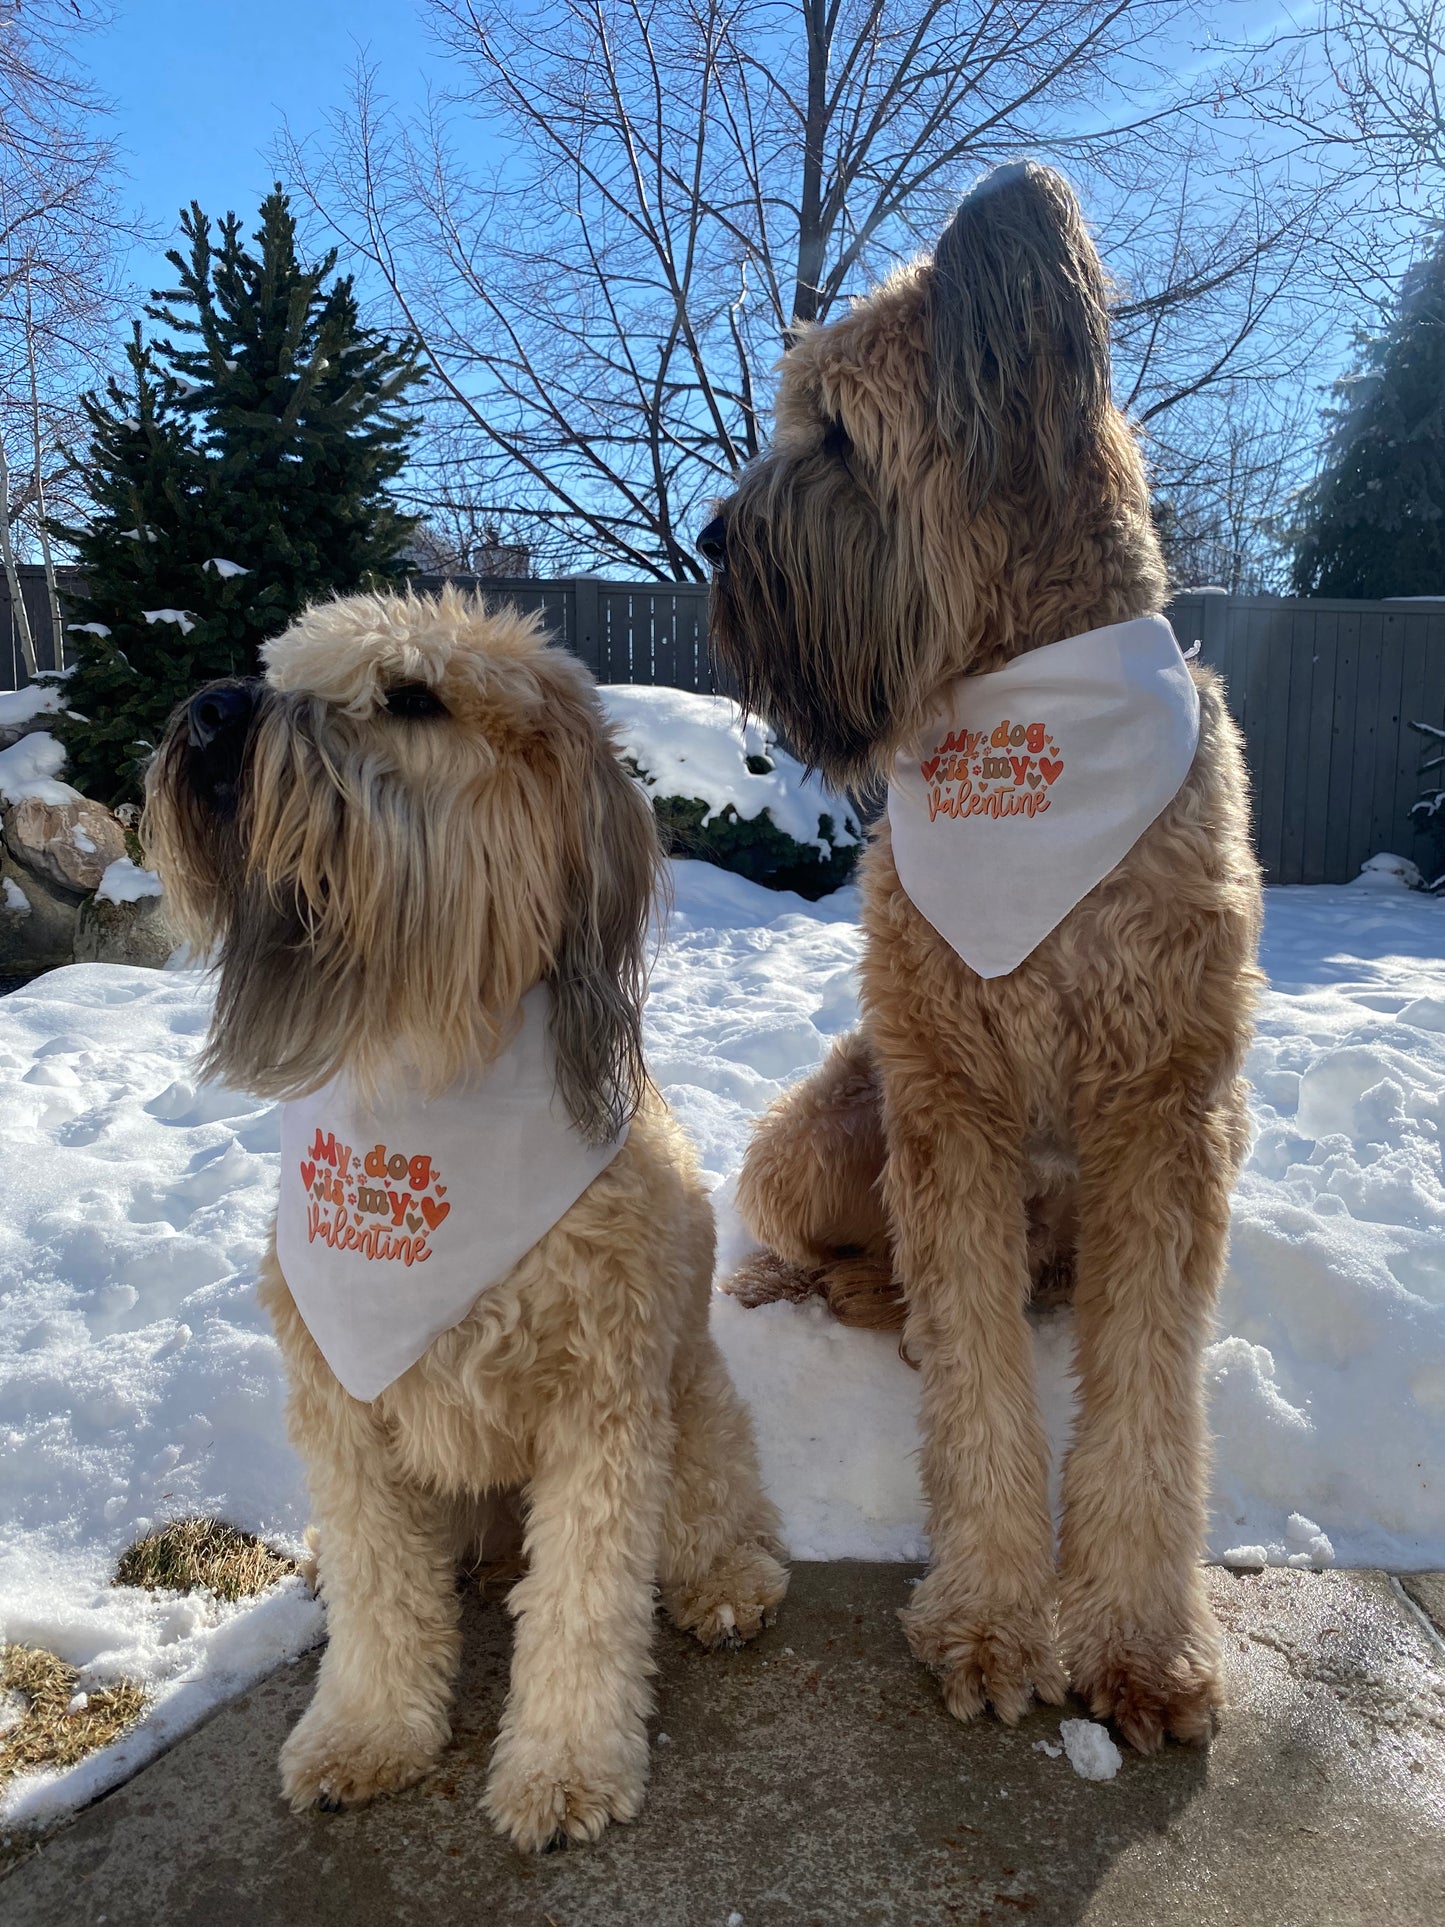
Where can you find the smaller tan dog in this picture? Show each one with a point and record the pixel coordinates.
(416, 820)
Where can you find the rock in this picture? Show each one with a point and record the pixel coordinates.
(70, 844)
(37, 922)
(137, 932)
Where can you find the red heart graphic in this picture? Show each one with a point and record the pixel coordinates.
(308, 1174)
(1050, 770)
(433, 1213)
(930, 768)
(441, 1190)
(413, 1222)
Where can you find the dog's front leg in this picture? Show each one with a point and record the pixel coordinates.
(983, 1617)
(381, 1712)
(1137, 1629)
(571, 1753)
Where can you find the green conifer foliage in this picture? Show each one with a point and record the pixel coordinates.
(244, 477)
(1373, 524)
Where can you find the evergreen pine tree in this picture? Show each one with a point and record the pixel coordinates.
(1373, 524)
(281, 420)
(153, 622)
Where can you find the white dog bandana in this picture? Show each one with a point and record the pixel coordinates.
(392, 1223)
(1035, 781)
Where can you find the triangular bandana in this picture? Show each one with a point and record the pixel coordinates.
(392, 1222)
(1029, 785)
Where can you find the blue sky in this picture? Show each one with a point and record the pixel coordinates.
(201, 88)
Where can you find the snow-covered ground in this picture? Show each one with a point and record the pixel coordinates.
(138, 1380)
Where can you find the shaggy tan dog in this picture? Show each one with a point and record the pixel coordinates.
(949, 487)
(419, 815)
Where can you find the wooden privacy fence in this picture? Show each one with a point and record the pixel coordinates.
(1325, 692)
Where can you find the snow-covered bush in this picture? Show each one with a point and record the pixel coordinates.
(725, 791)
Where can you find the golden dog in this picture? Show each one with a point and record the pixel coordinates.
(418, 816)
(950, 487)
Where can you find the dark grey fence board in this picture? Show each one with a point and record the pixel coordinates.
(1321, 634)
(1294, 821)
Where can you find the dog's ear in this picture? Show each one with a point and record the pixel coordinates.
(1020, 331)
(599, 974)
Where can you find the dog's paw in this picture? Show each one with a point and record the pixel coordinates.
(544, 1795)
(983, 1654)
(329, 1762)
(734, 1600)
(1150, 1687)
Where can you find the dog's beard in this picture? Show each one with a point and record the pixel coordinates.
(819, 629)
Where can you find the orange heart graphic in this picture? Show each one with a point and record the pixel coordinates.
(413, 1222)
(433, 1213)
(441, 1190)
(318, 1190)
(308, 1175)
(1050, 770)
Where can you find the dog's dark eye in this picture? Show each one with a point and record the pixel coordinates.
(837, 442)
(413, 699)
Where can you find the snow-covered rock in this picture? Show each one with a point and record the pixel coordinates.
(21, 709)
(690, 745)
(1387, 872)
(31, 767)
(69, 844)
(130, 929)
(37, 921)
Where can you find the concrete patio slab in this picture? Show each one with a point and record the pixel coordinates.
(814, 1780)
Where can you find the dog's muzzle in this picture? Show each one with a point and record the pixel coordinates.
(218, 728)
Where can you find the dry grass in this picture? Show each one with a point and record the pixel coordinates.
(202, 1552)
(47, 1732)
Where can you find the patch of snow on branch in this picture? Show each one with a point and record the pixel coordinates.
(178, 616)
(127, 882)
(31, 767)
(692, 745)
(224, 568)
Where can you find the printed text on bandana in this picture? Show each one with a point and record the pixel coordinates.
(380, 1203)
(1007, 771)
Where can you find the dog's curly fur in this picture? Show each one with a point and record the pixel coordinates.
(380, 886)
(950, 486)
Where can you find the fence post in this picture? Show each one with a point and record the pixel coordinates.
(587, 622)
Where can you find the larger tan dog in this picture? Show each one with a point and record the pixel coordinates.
(949, 487)
(419, 815)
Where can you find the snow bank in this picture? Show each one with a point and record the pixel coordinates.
(24, 705)
(698, 746)
(138, 1380)
(31, 768)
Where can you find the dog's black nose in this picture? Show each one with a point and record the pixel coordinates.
(712, 544)
(220, 710)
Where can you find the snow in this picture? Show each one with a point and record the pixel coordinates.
(15, 898)
(697, 746)
(139, 1381)
(178, 616)
(1386, 872)
(224, 568)
(23, 705)
(31, 767)
(1092, 1754)
(89, 629)
(127, 882)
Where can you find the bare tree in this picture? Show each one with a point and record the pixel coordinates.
(62, 232)
(689, 181)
